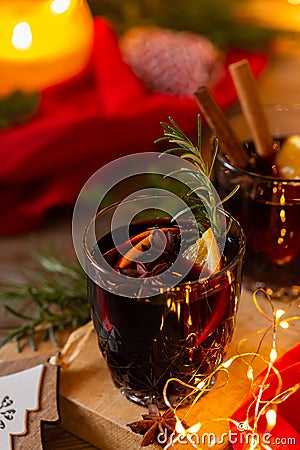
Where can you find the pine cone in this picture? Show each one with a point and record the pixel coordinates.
(172, 62)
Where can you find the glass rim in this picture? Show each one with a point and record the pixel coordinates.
(236, 112)
(228, 266)
(255, 175)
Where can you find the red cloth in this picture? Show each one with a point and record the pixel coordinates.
(286, 433)
(84, 123)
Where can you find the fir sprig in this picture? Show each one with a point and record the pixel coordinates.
(202, 175)
(56, 299)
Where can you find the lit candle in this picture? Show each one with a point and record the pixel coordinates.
(42, 42)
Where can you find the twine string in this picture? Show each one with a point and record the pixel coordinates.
(74, 345)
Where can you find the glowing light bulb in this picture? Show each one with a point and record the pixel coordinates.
(60, 6)
(271, 417)
(179, 428)
(201, 385)
(250, 374)
(284, 324)
(228, 363)
(273, 355)
(279, 313)
(22, 36)
(194, 428)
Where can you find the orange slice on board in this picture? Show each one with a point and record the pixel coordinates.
(205, 252)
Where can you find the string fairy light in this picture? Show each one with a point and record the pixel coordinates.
(259, 407)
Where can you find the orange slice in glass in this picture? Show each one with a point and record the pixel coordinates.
(205, 252)
(139, 242)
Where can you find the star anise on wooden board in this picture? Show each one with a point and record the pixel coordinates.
(153, 424)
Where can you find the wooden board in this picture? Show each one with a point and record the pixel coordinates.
(95, 411)
(55, 438)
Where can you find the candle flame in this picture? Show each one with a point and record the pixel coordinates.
(22, 36)
(60, 6)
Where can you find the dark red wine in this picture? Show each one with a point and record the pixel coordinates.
(183, 333)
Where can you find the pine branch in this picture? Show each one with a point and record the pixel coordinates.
(55, 296)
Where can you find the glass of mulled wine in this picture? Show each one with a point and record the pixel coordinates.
(268, 203)
(161, 316)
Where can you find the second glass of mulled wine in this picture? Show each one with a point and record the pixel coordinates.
(158, 313)
(268, 203)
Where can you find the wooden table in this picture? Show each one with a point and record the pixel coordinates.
(279, 83)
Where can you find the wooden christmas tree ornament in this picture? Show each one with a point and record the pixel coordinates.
(28, 397)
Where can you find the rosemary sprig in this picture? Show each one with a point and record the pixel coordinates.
(55, 296)
(202, 175)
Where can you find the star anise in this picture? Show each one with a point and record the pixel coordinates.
(153, 424)
(164, 251)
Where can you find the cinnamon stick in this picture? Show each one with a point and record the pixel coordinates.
(218, 122)
(253, 111)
